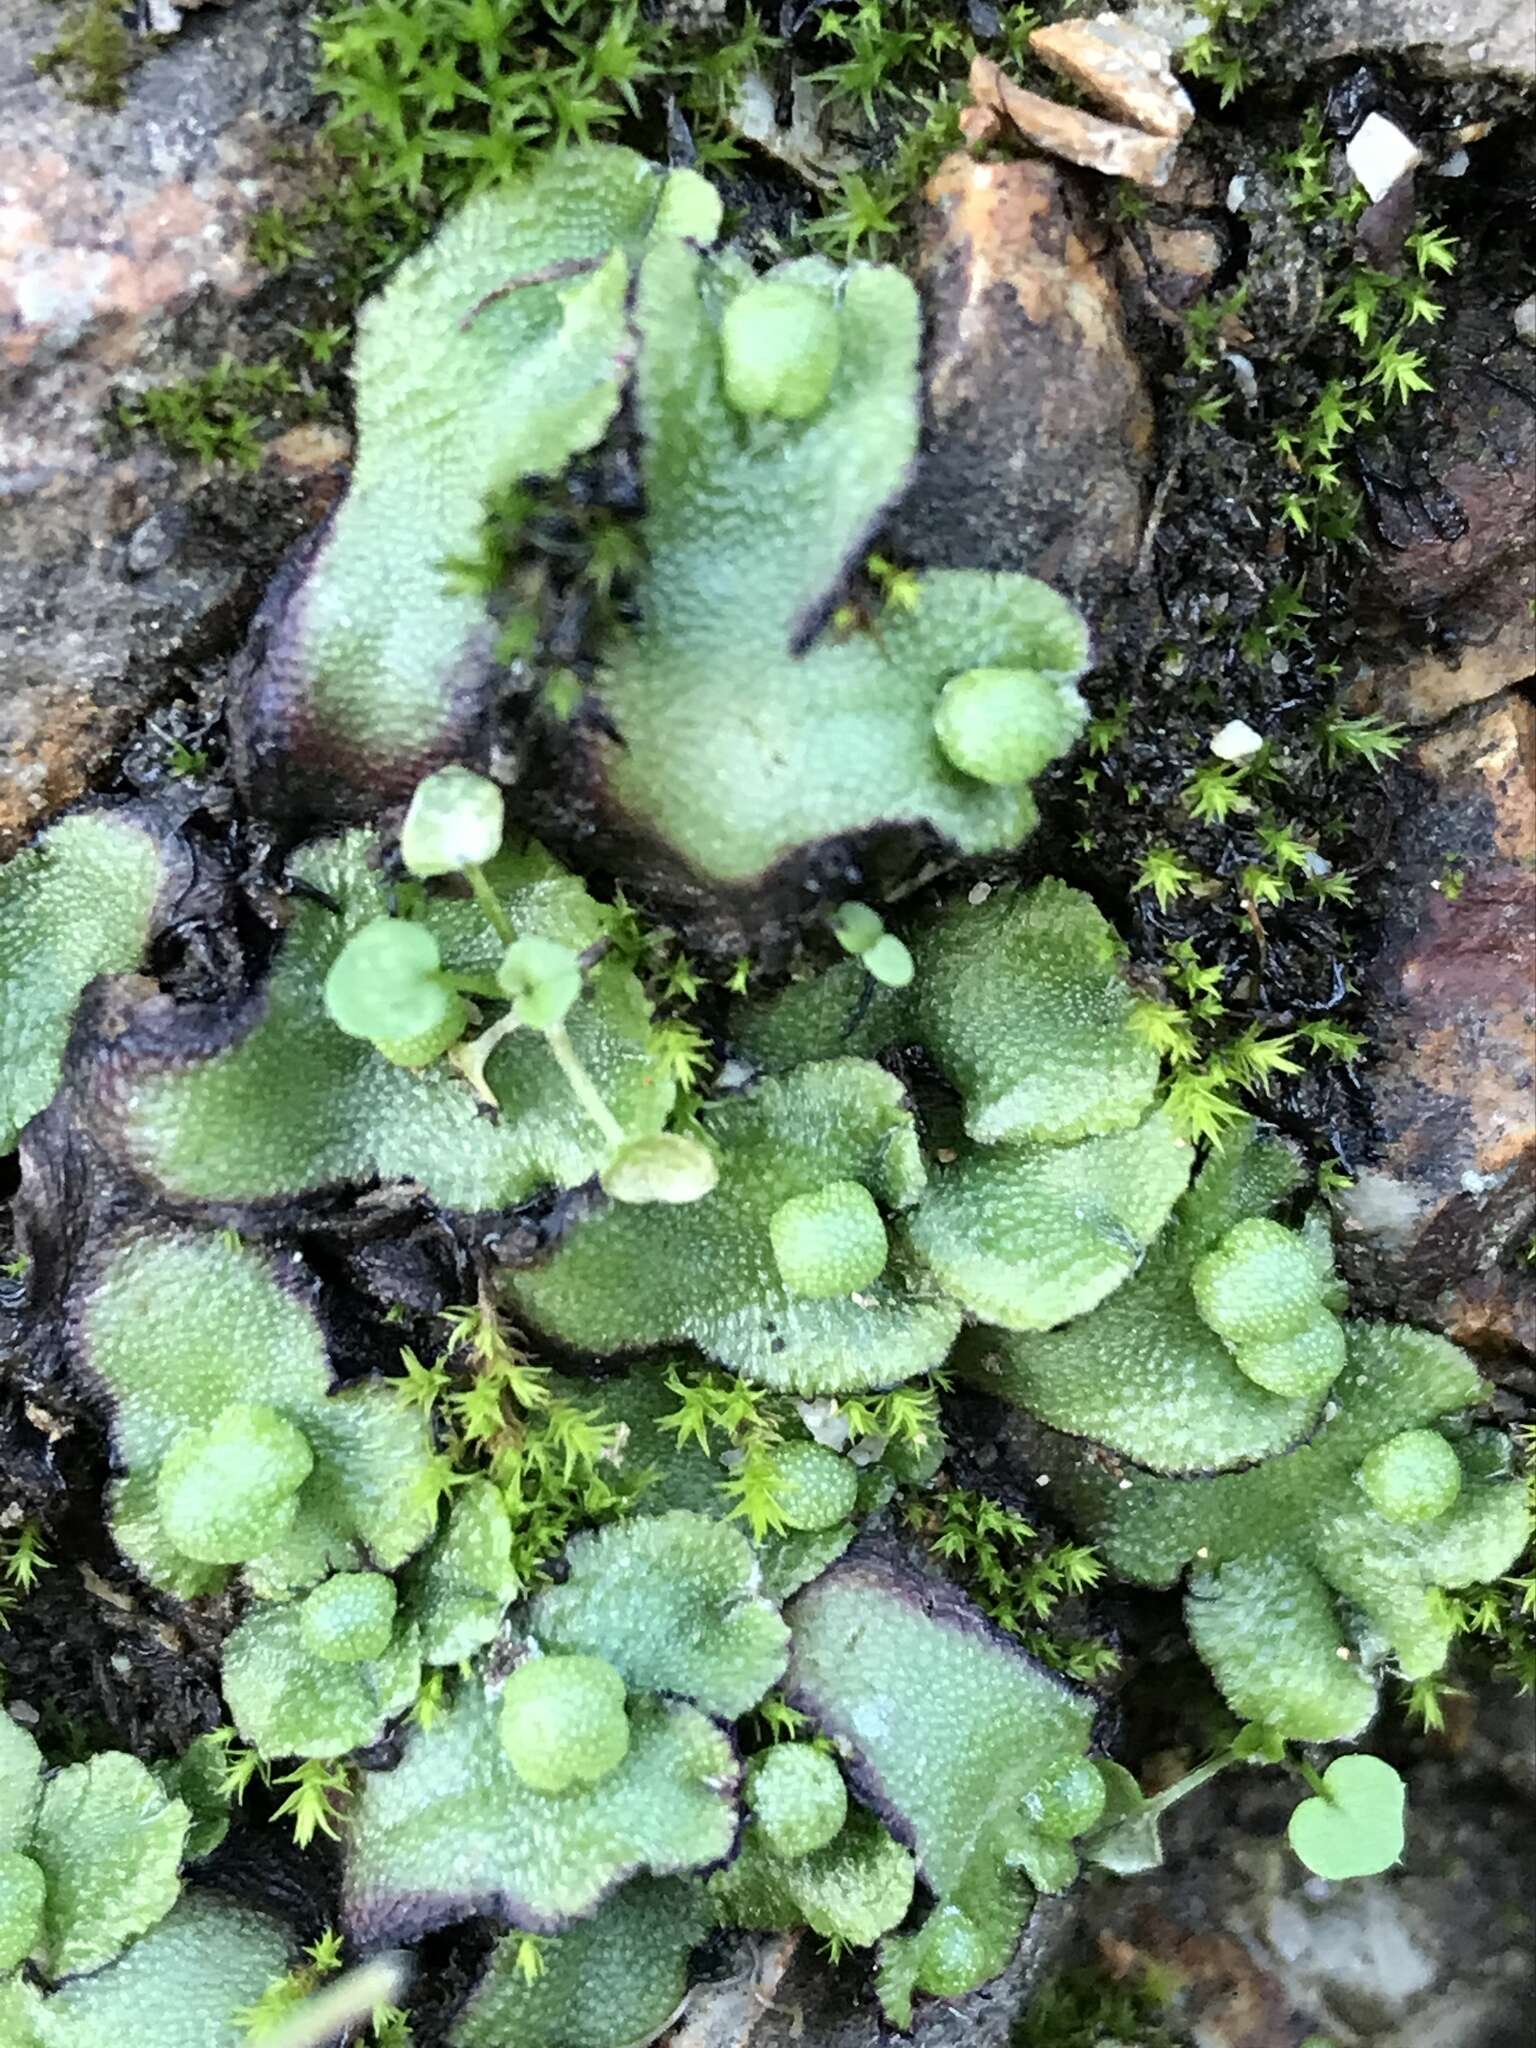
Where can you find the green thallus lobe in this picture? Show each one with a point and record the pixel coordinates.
(826, 1255)
(388, 985)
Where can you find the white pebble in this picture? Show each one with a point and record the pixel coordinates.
(825, 1424)
(1380, 153)
(1244, 375)
(1236, 741)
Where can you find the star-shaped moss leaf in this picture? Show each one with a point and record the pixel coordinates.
(677, 1472)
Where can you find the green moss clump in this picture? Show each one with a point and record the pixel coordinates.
(78, 903)
(1004, 724)
(814, 1488)
(217, 416)
(1264, 1293)
(350, 1617)
(282, 1103)
(229, 1432)
(23, 1889)
(706, 1273)
(1413, 1477)
(92, 55)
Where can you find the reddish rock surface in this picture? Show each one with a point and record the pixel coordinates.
(125, 259)
(1440, 1219)
(1452, 496)
(1453, 505)
(1486, 644)
(1222, 1990)
(1165, 267)
(1438, 1222)
(1038, 444)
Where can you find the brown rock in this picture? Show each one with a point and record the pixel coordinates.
(1223, 1991)
(1453, 495)
(1484, 644)
(1123, 67)
(125, 258)
(1494, 1311)
(310, 450)
(1445, 1205)
(1082, 138)
(1197, 179)
(1039, 437)
(980, 125)
(1164, 268)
